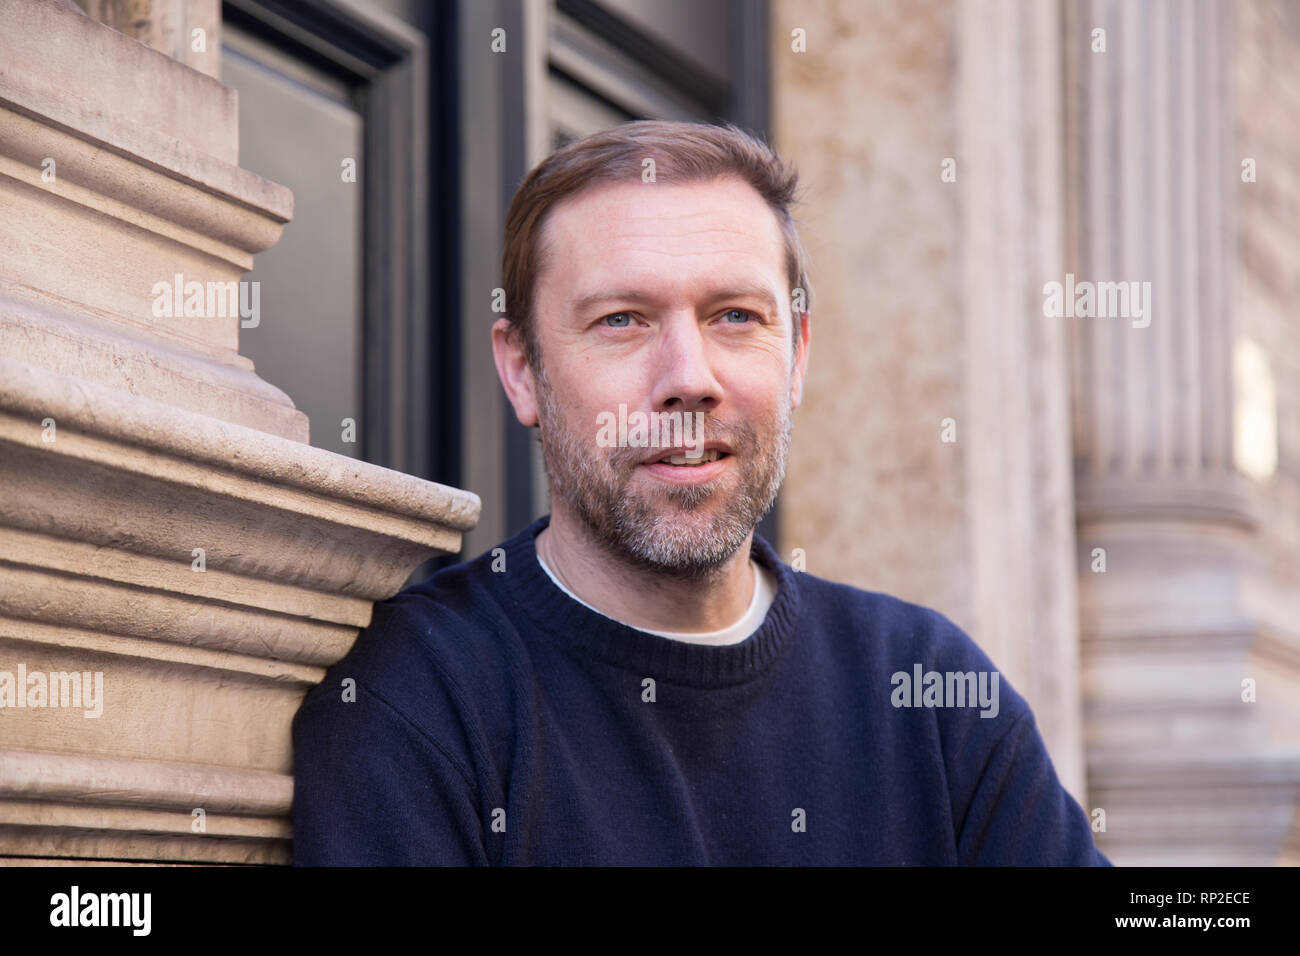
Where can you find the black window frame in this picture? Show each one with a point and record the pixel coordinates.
(410, 378)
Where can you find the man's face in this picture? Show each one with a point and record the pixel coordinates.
(666, 299)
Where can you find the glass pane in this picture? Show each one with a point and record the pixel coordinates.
(297, 127)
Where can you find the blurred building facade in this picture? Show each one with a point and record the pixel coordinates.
(1109, 505)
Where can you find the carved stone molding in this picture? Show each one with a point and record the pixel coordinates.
(166, 535)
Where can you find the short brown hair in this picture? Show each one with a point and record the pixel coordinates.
(682, 153)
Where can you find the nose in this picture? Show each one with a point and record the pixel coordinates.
(685, 380)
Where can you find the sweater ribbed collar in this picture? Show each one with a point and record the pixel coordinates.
(532, 597)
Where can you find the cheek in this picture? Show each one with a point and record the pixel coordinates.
(578, 417)
(761, 396)
(766, 359)
(592, 388)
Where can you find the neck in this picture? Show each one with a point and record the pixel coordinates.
(628, 592)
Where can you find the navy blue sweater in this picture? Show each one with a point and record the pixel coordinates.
(495, 720)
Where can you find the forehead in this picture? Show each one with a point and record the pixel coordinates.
(663, 236)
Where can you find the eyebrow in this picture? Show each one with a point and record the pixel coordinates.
(635, 295)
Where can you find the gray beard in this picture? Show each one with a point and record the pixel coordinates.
(676, 538)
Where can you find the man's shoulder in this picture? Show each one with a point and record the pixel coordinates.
(889, 636)
(429, 649)
(889, 625)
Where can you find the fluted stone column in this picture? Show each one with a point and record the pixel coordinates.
(1180, 762)
(166, 535)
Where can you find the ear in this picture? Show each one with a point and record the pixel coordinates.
(512, 368)
(800, 359)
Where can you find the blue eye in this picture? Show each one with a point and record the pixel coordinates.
(616, 324)
(745, 313)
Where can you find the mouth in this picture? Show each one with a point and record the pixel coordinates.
(674, 465)
(681, 461)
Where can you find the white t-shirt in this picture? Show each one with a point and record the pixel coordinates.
(764, 592)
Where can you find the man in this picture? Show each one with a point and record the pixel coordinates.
(637, 678)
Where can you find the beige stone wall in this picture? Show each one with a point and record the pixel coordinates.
(872, 495)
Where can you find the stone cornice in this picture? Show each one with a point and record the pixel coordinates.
(194, 455)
